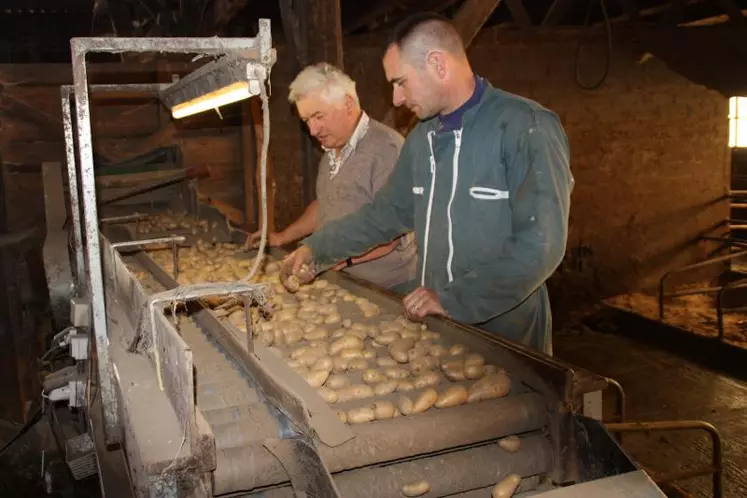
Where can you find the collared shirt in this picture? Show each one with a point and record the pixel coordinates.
(453, 121)
(335, 162)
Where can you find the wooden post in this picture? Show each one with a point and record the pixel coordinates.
(314, 31)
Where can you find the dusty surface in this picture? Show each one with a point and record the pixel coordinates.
(662, 386)
(696, 314)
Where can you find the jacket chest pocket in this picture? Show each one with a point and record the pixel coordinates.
(486, 216)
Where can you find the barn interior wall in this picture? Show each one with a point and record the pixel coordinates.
(648, 149)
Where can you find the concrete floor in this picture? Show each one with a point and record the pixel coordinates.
(661, 385)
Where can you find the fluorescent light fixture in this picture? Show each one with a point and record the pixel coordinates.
(227, 95)
(216, 84)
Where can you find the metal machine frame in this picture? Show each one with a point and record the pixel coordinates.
(88, 275)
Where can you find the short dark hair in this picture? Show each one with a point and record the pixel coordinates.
(420, 33)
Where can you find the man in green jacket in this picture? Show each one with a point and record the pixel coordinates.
(485, 182)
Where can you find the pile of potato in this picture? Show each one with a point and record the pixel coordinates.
(341, 346)
(168, 221)
(351, 358)
(204, 262)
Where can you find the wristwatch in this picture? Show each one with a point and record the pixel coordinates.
(349, 262)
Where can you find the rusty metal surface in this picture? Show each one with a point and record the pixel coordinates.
(95, 281)
(72, 178)
(307, 473)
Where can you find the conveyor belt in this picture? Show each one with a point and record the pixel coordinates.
(437, 445)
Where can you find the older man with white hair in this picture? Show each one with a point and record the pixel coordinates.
(360, 154)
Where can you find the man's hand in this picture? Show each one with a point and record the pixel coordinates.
(420, 303)
(274, 239)
(297, 268)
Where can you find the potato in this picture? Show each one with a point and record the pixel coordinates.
(386, 362)
(404, 404)
(369, 354)
(373, 376)
(383, 410)
(489, 387)
(345, 342)
(419, 366)
(457, 349)
(410, 334)
(405, 385)
(356, 391)
(337, 381)
(339, 333)
(357, 333)
(266, 338)
(361, 415)
(340, 365)
(285, 315)
(327, 394)
(311, 356)
(292, 336)
(316, 378)
(332, 318)
(396, 373)
(510, 444)
(348, 297)
(350, 354)
(308, 327)
(417, 351)
(416, 488)
(346, 322)
(357, 364)
(507, 487)
(425, 401)
(430, 335)
(326, 309)
(318, 320)
(454, 370)
(453, 396)
(399, 348)
(321, 283)
(316, 335)
(437, 350)
(428, 379)
(472, 371)
(323, 363)
(474, 359)
(306, 314)
(387, 338)
(272, 267)
(385, 388)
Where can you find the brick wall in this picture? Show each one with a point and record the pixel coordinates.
(648, 151)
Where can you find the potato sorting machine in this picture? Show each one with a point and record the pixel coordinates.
(201, 382)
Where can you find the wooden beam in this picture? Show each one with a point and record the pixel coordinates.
(519, 13)
(375, 11)
(313, 28)
(468, 21)
(557, 10)
(630, 8)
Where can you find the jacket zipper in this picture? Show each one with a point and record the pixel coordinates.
(430, 208)
(455, 177)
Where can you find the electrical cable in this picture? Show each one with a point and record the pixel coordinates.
(263, 179)
(608, 62)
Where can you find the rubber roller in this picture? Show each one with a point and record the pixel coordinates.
(252, 466)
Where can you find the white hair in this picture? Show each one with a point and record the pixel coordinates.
(331, 82)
